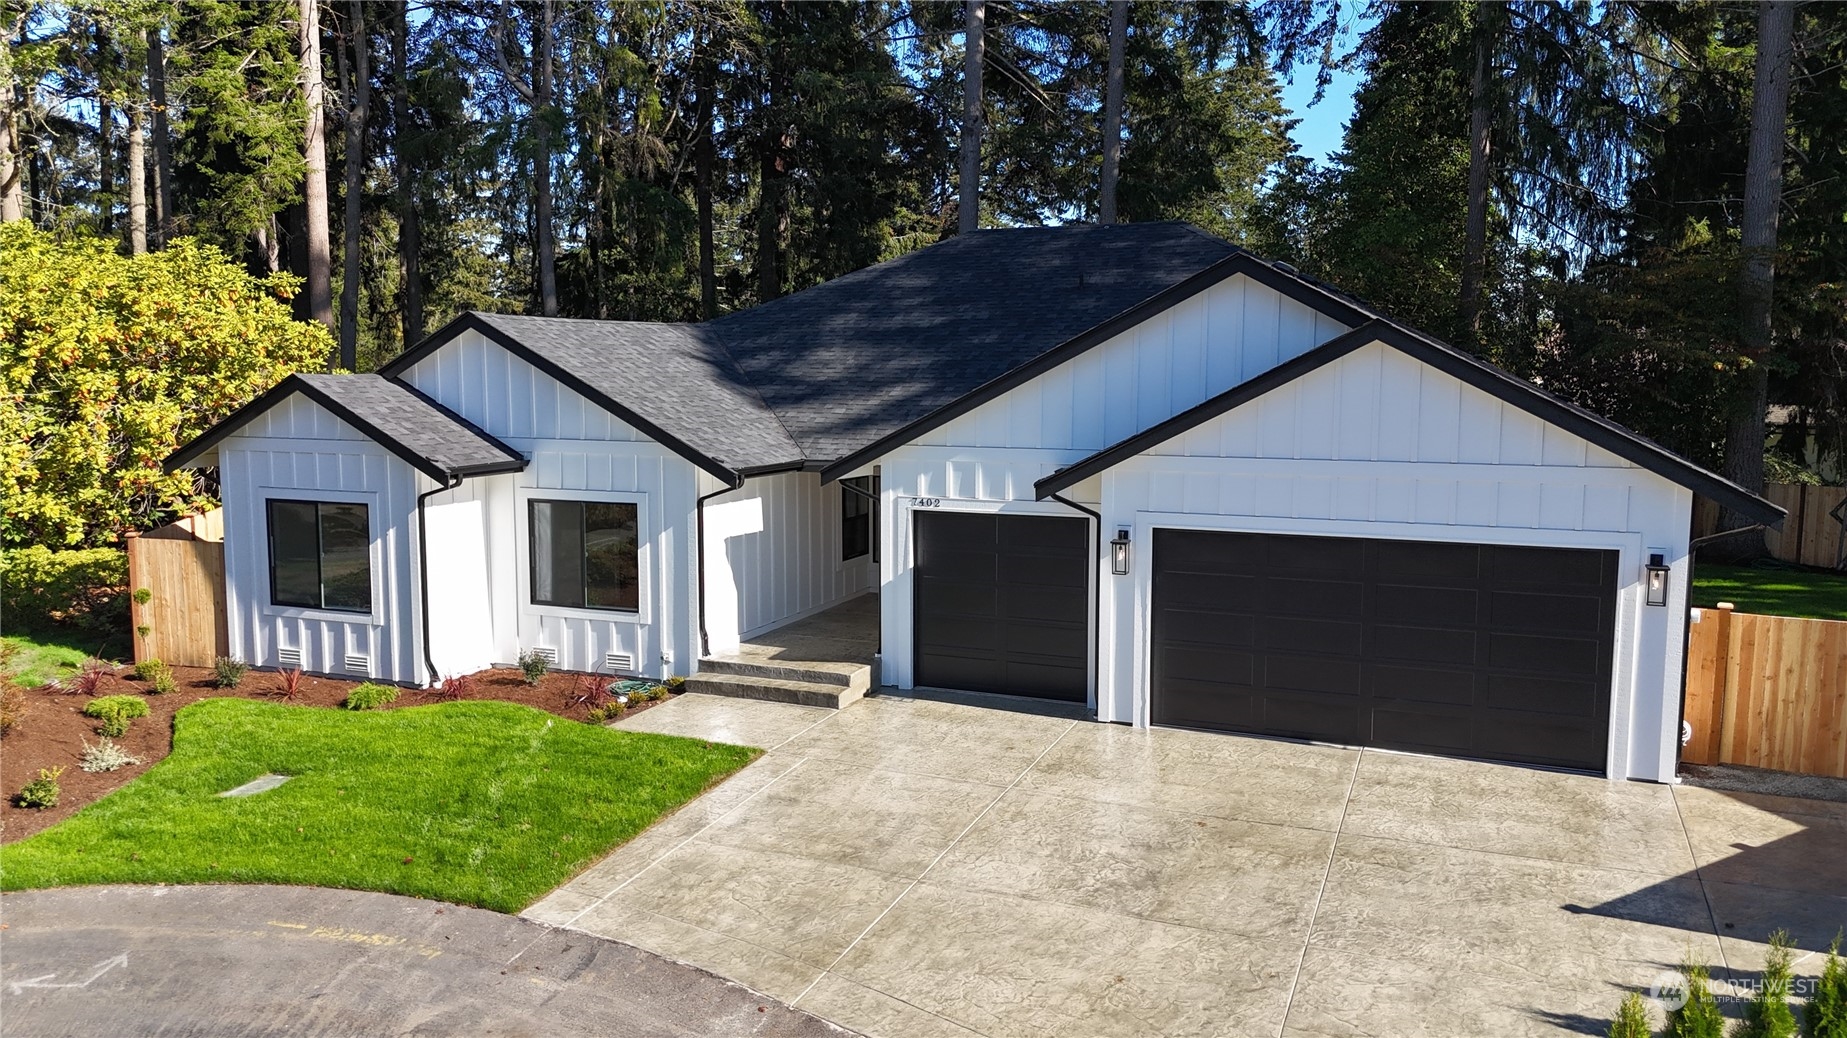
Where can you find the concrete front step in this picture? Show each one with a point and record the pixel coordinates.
(855, 676)
(774, 690)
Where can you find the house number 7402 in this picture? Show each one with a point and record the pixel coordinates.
(929, 502)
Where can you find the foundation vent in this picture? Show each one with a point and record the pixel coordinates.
(618, 662)
(288, 657)
(546, 653)
(356, 664)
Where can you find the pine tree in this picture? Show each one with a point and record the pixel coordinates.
(1699, 1016)
(1767, 1015)
(1825, 1015)
(1631, 1018)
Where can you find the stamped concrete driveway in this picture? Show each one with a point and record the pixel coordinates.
(908, 867)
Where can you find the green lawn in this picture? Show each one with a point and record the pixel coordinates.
(1813, 593)
(480, 803)
(41, 656)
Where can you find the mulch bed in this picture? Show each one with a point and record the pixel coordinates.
(53, 730)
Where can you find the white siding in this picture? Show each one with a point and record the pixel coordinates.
(510, 398)
(327, 461)
(1221, 337)
(773, 555)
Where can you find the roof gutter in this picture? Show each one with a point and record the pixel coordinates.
(423, 568)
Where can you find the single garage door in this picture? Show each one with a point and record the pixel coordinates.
(1469, 650)
(1001, 603)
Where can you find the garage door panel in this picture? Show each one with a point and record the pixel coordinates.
(1294, 634)
(1471, 650)
(1002, 604)
(1544, 654)
(1193, 625)
(1425, 645)
(1436, 605)
(1421, 684)
(1311, 674)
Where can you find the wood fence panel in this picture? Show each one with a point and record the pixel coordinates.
(1767, 692)
(181, 566)
(1809, 535)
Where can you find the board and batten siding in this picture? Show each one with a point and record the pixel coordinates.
(1377, 444)
(576, 450)
(299, 450)
(773, 555)
(989, 458)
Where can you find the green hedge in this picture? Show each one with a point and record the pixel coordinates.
(85, 587)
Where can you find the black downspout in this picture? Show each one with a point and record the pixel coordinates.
(1096, 601)
(705, 640)
(423, 571)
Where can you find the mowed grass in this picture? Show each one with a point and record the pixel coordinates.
(35, 658)
(1813, 593)
(479, 803)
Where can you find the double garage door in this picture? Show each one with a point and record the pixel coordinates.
(1495, 652)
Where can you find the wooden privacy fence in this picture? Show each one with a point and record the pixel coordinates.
(1809, 537)
(1767, 691)
(179, 570)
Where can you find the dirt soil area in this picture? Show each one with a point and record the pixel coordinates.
(53, 729)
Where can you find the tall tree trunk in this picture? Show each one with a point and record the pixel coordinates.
(410, 237)
(105, 132)
(12, 192)
(769, 230)
(137, 183)
(1763, 194)
(542, 162)
(359, 99)
(1112, 111)
(1475, 244)
(974, 44)
(704, 158)
(164, 217)
(314, 151)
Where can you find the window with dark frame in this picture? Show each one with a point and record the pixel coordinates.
(320, 555)
(856, 518)
(585, 554)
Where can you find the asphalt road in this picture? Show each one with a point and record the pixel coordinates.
(125, 962)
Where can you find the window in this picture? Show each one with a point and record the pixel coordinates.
(585, 554)
(856, 517)
(320, 555)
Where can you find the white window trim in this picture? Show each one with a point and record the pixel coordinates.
(369, 498)
(644, 551)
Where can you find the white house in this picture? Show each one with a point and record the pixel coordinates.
(1131, 467)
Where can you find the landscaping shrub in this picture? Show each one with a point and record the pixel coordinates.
(675, 682)
(13, 706)
(1825, 1016)
(1767, 1015)
(105, 756)
(450, 689)
(1700, 1016)
(146, 669)
(115, 712)
(533, 666)
(164, 683)
(83, 587)
(89, 679)
(227, 672)
(1631, 1019)
(41, 792)
(370, 696)
(290, 684)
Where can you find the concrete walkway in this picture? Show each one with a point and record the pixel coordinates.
(914, 868)
(256, 960)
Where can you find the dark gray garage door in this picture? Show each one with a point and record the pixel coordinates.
(1001, 603)
(1469, 650)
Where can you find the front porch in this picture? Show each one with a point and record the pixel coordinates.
(821, 660)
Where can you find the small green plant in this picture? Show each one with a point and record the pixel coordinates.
(41, 792)
(676, 681)
(105, 756)
(115, 712)
(228, 672)
(1631, 1019)
(165, 684)
(370, 696)
(143, 630)
(1699, 1016)
(1825, 1015)
(533, 666)
(143, 595)
(146, 669)
(1767, 1014)
(598, 714)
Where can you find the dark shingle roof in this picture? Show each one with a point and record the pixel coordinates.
(435, 440)
(670, 376)
(849, 361)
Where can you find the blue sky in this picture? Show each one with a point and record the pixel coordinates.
(1318, 134)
